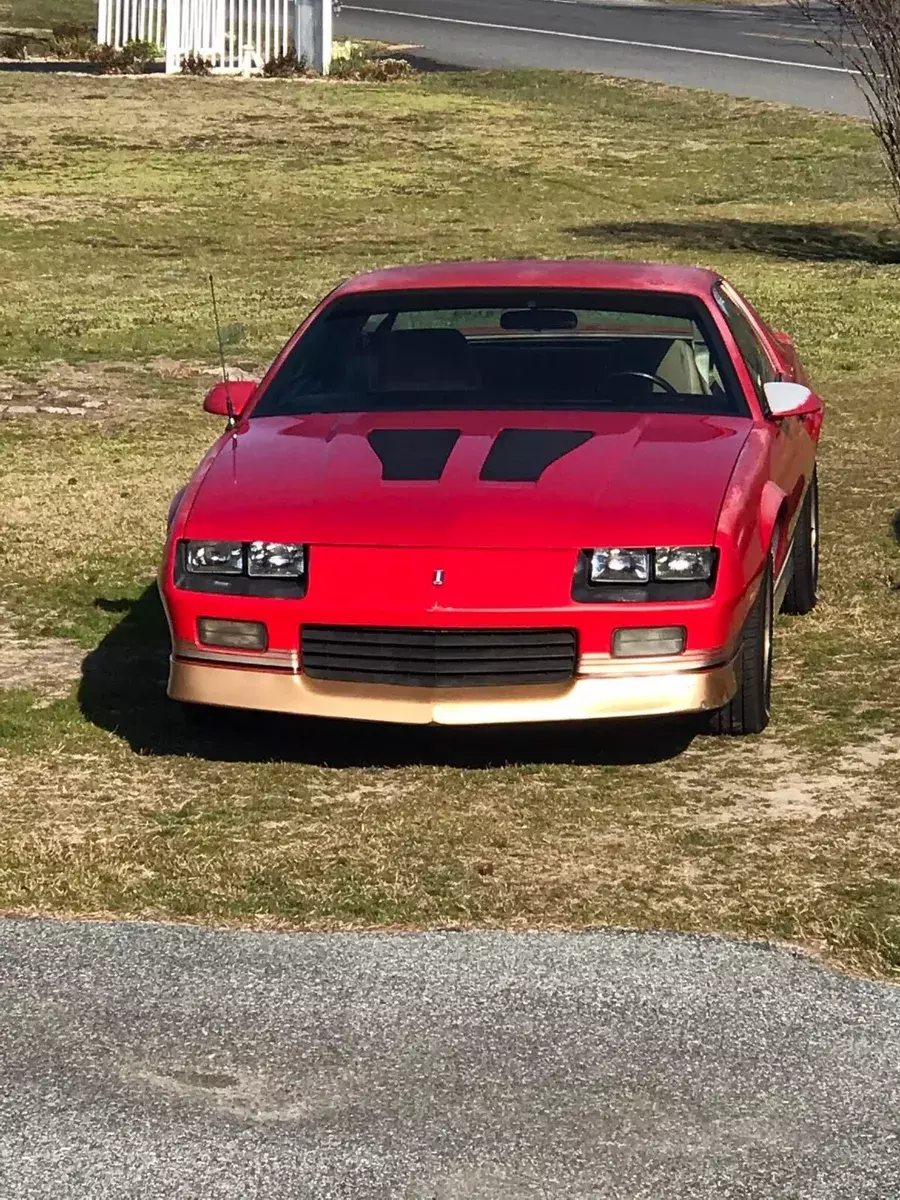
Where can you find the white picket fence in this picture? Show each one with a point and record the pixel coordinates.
(121, 21)
(235, 35)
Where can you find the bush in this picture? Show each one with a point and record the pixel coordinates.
(285, 66)
(355, 62)
(350, 60)
(346, 59)
(135, 58)
(195, 64)
(73, 41)
(13, 46)
(384, 70)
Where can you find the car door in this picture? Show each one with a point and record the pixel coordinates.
(793, 450)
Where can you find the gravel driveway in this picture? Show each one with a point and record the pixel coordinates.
(148, 1061)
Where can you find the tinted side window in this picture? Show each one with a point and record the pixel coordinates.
(758, 362)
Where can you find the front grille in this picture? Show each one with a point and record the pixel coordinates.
(438, 657)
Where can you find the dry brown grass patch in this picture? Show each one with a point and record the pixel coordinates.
(48, 667)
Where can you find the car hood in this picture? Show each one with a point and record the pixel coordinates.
(509, 480)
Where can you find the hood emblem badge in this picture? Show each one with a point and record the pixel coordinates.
(438, 580)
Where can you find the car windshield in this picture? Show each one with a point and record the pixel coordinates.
(428, 351)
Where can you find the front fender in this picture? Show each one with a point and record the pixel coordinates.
(747, 521)
(173, 507)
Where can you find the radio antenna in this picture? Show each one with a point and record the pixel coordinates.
(232, 419)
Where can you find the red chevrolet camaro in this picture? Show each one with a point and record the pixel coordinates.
(496, 492)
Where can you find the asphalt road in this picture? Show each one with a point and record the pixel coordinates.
(158, 1063)
(767, 53)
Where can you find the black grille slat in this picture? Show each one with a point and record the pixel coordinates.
(438, 657)
(378, 637)
(459, 667)
(405, 680)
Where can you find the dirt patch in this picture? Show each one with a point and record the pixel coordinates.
(785, 788)
(171, 368)
(48, 666)
(94, 390)
(61, 390)
(49, 210)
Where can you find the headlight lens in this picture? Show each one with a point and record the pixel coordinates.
(276, 560)
(215, 558)
(684, 562)
(668, 564)
(620, 566)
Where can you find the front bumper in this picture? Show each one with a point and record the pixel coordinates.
(643, 694)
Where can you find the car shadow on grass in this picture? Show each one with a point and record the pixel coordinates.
(801, 242)
(123, 690)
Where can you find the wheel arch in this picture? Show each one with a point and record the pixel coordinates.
(774, 512)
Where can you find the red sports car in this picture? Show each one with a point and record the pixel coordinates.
(503, 491)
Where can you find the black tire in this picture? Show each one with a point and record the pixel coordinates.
(748, 711)
(802, 591)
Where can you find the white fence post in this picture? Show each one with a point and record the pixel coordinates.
(103, 22)
(173, 37)
(327, 36)
(314, 33)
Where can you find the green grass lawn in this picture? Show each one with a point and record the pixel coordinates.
(117, 197)
(43, 14)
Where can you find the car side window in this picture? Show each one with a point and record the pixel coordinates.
(758, 362)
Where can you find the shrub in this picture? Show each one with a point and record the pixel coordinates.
(350, 60)
(73, 41)
(285, 66)
(346, 59)
(195, 64)
(384, 70)
(135, 58)
(355, 62)
(12, 45)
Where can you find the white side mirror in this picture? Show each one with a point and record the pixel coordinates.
(786, 399)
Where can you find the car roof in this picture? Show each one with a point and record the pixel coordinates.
(537, 273)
